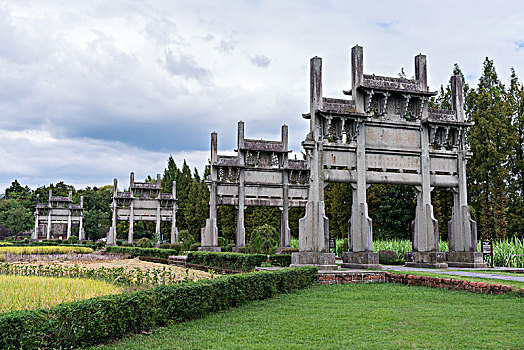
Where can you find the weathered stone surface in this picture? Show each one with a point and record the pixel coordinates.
(360, 260)
(259, 175)
(426, 259)
(385, 133)
(466, 259)
(324, 261)
(58, 210)
(143, 202)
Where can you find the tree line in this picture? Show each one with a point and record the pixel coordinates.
(495, 184)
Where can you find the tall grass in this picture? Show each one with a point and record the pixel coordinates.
(44, 250)
(502, 250)
(31, 292)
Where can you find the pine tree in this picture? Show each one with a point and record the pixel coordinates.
(515, 100)
(491, 140)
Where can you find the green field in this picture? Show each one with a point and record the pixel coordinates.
(44, 250)
(30, 292)
(352, 316)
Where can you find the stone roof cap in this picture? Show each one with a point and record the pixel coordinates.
(147, 185)
(264, 146)
(401, 85)
(60, 199)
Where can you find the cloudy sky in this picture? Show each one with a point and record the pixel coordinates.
(91, 90)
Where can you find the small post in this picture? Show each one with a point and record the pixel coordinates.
(421, 72)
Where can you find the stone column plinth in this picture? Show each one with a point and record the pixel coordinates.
(324, 261)
(426, 259)
(209, 237)
(466, 259)
(360, 260)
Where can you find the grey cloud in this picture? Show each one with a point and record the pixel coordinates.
(260, 61)
(226, 46)
(184, 65)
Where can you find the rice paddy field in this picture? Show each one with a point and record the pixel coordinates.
(44, 250)
(32, 292)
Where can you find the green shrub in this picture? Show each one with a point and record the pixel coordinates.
(341, 246)
(144, 243)
(264, 240)
(177, 246)
(194, 247)
(389, 257)
(73, 240)
(222, 242)
(88, 322)
(120, 242)
(231, 261)
(283, 260)
(148, 252)
(241, 250)
(229, 247)
(186, 238)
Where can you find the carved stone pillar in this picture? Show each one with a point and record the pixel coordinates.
(425, 227)
(240, 233)
(68, 234)
(48, 235)
(209, 234)
(34, 235)
(360, 254)
(131, 222)
(314, 226)
(158, 221)
(285, 232)
(240, 239)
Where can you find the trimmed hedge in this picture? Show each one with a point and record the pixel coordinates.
(231, 261)
(149, 252)
(101, 319)
(283, 260)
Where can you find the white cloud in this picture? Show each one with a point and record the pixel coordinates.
(110, 87)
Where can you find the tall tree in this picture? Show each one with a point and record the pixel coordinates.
(491, 140)
(515, 99)
(338, 201)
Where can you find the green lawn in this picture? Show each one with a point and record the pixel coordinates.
(352, 316)
(516, 284)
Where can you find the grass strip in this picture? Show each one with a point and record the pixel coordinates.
(515, 284)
